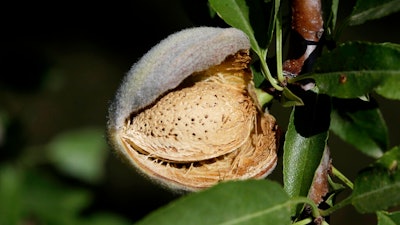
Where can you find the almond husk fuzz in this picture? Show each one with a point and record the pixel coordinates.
(209, 129)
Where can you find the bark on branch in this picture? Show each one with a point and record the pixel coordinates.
(307, 23)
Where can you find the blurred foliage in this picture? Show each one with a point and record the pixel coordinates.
(60, 65)
(31, 194)
(80, 154)
(32, 197)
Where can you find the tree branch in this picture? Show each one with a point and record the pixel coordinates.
(307, 30)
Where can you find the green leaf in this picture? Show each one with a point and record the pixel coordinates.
(289, 99)
(251, 18)
(356, 69)
(330, 14)
(80, 153)
(335, 189)
(390, 160)
(377, 188)
(385, 218)
(361, 124)
(235, 202)
(272, 21)
(236, 14)
(304, 145)
(105, 218)
(371, 9)
(263, 97)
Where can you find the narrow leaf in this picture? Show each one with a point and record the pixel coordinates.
(289, 99)
(361, 124)
(371, 9)
(305, 142)
(236, 14)
(301, 158)
(330, 9)
(385, 218)
(272, 22)
(377, 188)
(356, 69)
(236, 202)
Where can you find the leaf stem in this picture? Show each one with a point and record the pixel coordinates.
(314, 208)
(267, 73)
(278, 28)
(342, 177)
(339, 205)
(303, 222)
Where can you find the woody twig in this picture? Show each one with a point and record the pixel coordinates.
(307, 30)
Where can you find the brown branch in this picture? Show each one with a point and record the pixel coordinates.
(307, 30)
(307, 22)
(319, 188)
(320, 185)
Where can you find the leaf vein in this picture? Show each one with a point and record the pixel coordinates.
(256, 214)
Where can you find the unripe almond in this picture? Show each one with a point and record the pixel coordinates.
(185, 115)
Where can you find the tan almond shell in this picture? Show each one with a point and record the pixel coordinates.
(206, 130)
(196, 123)
(255, 159)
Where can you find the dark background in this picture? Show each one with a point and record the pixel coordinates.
(62, 61)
